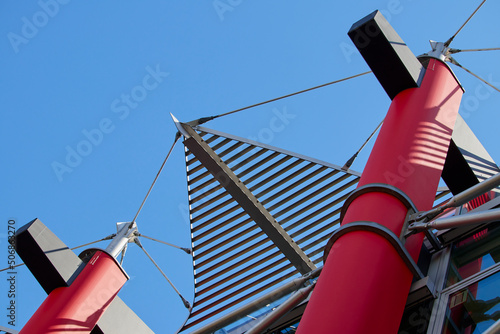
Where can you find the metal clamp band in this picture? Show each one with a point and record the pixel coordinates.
(383, 232)
(379, 187)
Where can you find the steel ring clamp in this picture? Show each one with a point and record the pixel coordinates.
(383, 232)
(377, 187)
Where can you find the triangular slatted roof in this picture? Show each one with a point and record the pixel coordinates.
(234, 261)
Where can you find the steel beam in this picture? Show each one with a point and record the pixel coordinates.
(467, 162)
(246, 199)
(390, 59)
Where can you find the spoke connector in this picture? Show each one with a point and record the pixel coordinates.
(126, 232)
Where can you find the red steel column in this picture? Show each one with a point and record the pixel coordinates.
(364, 283)
(77, 308)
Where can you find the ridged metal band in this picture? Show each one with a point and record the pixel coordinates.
(378, 187)
(383, 232)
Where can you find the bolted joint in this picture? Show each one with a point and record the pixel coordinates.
(439, 50)
(126, 232)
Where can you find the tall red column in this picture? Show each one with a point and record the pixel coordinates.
(364, 283)
(77, 308)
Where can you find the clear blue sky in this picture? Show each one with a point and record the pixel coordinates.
(71, 67)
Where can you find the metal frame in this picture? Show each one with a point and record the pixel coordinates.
(273, 148)
(457, 200)
(383, 232)
(441, 304)
(450, 235)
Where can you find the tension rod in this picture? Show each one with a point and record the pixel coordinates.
(467, 219)
(187, 250)
(184, 301)
(457, 200)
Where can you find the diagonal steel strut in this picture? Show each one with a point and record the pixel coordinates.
(246, 199)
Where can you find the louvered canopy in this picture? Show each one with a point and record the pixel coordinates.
(234, 259)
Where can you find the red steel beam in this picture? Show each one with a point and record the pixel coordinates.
(77, 308)
(364, 283)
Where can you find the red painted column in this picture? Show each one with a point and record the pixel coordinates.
(77, 308)
(364, 283)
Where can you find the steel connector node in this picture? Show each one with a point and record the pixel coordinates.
(126, 232)
(439, 50)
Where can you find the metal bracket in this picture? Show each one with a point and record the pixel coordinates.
(413, 212)
(379, 187)
(383, 232)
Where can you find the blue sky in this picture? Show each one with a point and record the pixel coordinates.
(102, 77)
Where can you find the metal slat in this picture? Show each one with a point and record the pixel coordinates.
(325, 217)
(231, 239)
(237, 274)
(240, 154)
(235, 265)
(272, 148)
(277, 184)
(249, 159)
(211, 138)
(310, 206)
(441, 195)
(247, 279)
(310, 226)
(317, 251)
(315, 233)
(222, 143)
(245, 172)
(213, 209)
(317, 193)
(203, 244)
(201, 186)
(257, 165)
(316, 212)
(191, 161)
(197, 178)
(215, 219)
(236, 302)
(301, 180)
(203, 195)
(230, 149)
(301, 191)
(321, 240)
(269, 169)
(237, 292)
(200, 206)
(233, 257)
(219, 216)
